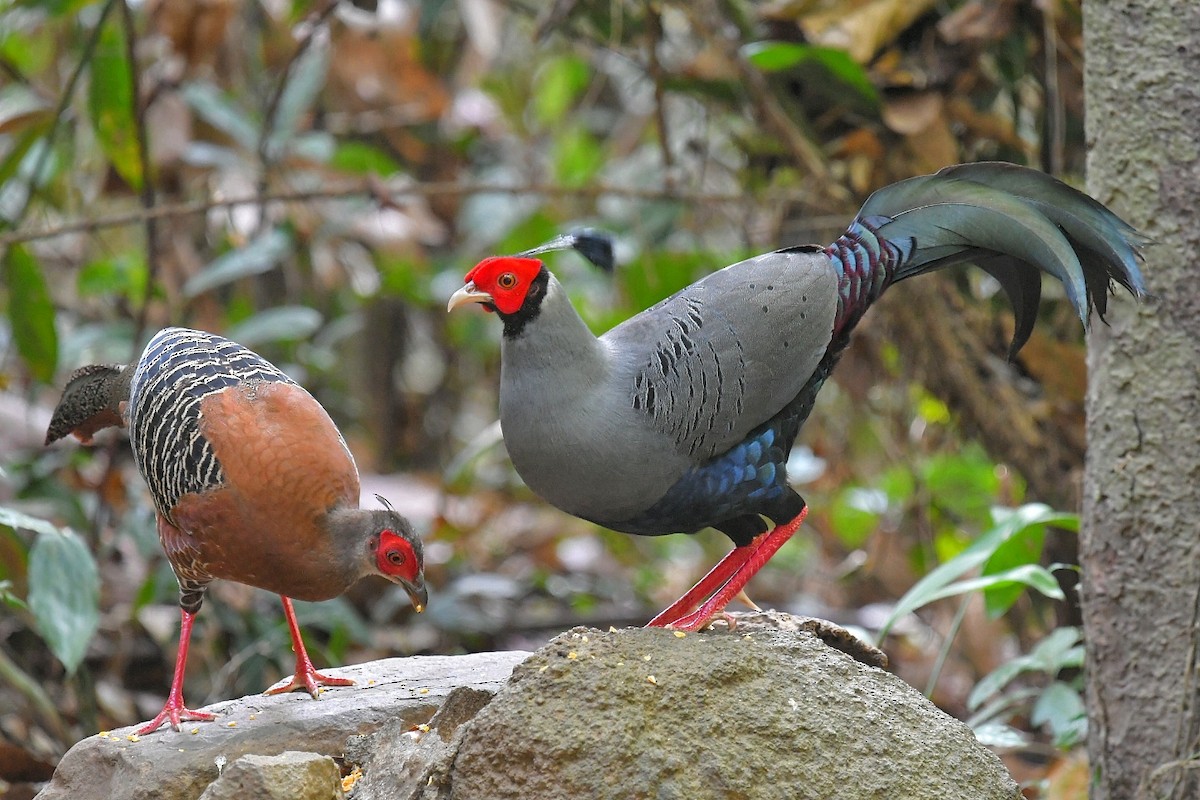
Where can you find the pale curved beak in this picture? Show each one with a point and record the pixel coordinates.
(417, 594)
(467, 294)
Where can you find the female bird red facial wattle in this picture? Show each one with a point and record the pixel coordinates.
(395, 557)
(500, 283)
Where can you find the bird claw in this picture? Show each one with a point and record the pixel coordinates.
(310, 680)
(174, 712)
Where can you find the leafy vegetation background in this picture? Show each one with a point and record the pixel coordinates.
(314, 178)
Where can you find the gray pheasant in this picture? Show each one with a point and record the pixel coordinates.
(251, 480)
(682, 417)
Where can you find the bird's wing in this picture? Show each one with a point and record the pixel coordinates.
(726, 354)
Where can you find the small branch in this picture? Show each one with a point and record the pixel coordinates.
(146, 193)
(654, 36)
(84, 59)
(315, 23)
(365, 190)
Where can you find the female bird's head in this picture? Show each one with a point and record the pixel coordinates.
(511, 286)
(390, 548)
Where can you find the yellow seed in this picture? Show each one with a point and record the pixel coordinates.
(351, 779)
(233, 724)
(572, 655)
(133, 737)
(195, 731)
(652, 679)
(422, 691)
(371, 682)
(103, 734)
(680, 634)
(254, 716)
(423, 728)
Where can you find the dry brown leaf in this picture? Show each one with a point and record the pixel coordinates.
(862, 28)
(978, 22)
(195, 28)
(912, 113)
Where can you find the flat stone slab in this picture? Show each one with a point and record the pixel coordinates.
(170, 765)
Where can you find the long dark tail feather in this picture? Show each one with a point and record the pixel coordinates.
(1013, 222)
(90, 401)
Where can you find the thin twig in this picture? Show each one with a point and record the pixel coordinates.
(654, 34)
(84, 59)
(146, 192)
(266, 159)
(361, 189)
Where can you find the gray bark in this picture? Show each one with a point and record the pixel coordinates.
(1139, 548)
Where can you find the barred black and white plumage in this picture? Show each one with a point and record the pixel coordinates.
(252, 482)
(176, 371)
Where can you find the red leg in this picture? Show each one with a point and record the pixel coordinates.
(306, 675)
(174, 709)
(704, 587)
(761, 549)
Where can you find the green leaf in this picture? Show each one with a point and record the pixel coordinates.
(64, 594)
(31, 313)
(304, 82)
(363, 159)
(559, 82)
(934, 585)
(961, 483)
(1061, 709)
(1059, 650)
(855, 513)
(1020, 550)
(21, 107)
(257, 257)
(219, 110)
(577, 156)
(111, 105)
(837, 63)
(124, 274)
(280, 324)
(22, 521)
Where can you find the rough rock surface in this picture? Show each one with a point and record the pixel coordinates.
(170, 765)
(767, 710)
(752, 713)
(287, 776)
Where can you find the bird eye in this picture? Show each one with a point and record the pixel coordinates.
(395, 557)
(506, 280)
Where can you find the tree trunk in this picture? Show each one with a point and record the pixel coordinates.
(1140, 548)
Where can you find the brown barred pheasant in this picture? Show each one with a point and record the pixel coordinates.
(251, 480)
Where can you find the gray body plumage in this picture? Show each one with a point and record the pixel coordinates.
(628, 413)
(682, 417)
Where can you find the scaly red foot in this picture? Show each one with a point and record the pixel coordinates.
(174, 711)
(306, 676)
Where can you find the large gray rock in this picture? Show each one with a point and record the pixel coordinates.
(768, 710)
(752, 713)
(170, 765)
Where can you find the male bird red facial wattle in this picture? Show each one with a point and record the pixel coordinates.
(251, 480)
(502, 284)
(683, 416)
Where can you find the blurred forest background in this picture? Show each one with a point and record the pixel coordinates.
(313, 179)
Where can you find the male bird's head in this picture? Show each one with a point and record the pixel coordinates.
(511, 286)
